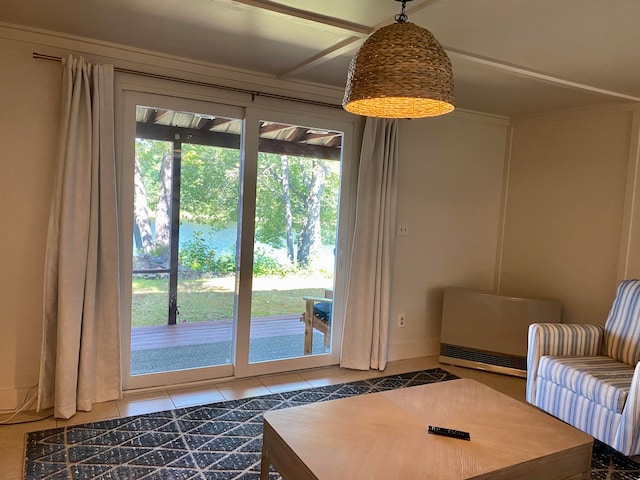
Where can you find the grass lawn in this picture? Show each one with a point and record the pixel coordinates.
(213, 299)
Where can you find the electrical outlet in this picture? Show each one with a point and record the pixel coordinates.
(402, 318)
(403, 229)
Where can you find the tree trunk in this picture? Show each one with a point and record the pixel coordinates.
(288, 216)
(141, 213)
(310, 239)
(163, 210)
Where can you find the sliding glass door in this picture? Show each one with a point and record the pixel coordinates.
(234, 241)
(296, 220)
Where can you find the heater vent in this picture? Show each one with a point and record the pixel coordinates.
(488, 358)
(489, 332)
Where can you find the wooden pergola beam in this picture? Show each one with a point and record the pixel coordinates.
(230, 140)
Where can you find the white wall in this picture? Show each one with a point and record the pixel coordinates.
(564, 224)
(28, 126)
(449, 193)
(567, 210)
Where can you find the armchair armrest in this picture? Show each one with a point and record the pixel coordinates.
(559, 339)
(627, 440)
(317, 299)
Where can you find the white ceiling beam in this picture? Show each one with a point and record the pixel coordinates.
(523, 72)
(305, 15)
(334, 51)
(340, 48)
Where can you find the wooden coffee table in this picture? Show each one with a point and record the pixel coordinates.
(384, 436)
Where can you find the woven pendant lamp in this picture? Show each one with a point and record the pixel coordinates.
(401, 71)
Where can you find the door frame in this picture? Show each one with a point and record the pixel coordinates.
(130, 94)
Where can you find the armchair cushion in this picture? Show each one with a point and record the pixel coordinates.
(558, 339)
(601, 380)
(322, 310)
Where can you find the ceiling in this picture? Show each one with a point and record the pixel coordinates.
(510, 57)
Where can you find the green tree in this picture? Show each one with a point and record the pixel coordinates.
(149, 155)
(152, 181)
(210, 184)
(297, 198)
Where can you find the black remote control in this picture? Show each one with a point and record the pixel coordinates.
(449, 432)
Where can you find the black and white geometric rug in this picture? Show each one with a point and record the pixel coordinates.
(220, 441)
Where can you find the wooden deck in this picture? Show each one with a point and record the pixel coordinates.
(197, 333)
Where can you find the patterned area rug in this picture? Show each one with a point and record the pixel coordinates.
(220, 441)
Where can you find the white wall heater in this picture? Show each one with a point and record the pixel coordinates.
(489, 332)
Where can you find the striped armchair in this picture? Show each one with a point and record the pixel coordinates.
(589, 376)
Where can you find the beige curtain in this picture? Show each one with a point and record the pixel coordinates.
(80, 359)
(365, 341)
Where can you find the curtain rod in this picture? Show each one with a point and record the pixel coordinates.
(253, 93)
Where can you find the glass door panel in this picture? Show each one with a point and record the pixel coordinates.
(185, 216)
(151, 264)
(207, 252)
(296, 220)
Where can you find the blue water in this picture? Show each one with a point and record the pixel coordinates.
(219, 240)
(224, 240)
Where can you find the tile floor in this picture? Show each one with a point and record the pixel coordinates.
(12, 437)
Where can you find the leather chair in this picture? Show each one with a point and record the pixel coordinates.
(589, 375)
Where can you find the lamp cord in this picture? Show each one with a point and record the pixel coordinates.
(402, 17)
